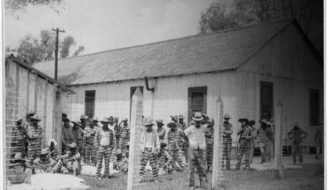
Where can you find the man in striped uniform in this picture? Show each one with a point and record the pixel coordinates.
(67, 136)
(173, 139)
(197, 146)
(53, 153)
(150, 147)
(244, 147)
(263, 141)
(209, 137)
(164, 160)
(296, 135)
(227, 142)
(44, 164)
(89, 143)
(160, 130)
(116, 132)
(35, 136)
(253, 139)
(124, 137)
(18, 139)
(69, 162)
(78, 137)
(82, 142)
(104, 139)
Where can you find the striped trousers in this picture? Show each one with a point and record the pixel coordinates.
(244, 150)
(175, 155)
(265, 151)
(226, 152)
(90, 153)
(209, 154)
(148, 155)
(68, 166)
(196, 160)
(33, 152)
(103, 152)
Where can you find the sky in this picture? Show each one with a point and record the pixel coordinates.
(109, 24)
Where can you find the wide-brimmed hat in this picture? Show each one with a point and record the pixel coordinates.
(52, 140)
(65, 119)
(180, 116)
(198, 116)
(241, 120)
(148, 122)
(76, 122)
(105, 120)
(35, 118)
(263, 121)
(83, 117)
(125, 120)
(227, 116)
(72, 145)
(171, 125)
(252, 122)
(160, 121)
(44, 151)
(95, 119)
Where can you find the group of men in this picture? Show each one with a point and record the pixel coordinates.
(166, 149)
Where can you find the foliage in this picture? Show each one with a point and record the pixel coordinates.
(34, 49)
(15, 5)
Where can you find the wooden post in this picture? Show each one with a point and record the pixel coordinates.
(217, 174)
(45, 111)
(135, 136)
(28, 92)
(278, 139)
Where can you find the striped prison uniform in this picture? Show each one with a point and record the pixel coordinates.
(227, 144)
(297, 135)
(123, 165)
(149, 146)
(44, 166)
(78, 138)
(104, 139)
(163, 162)
(161, 131)
(34, 134)
(254, 142)
(185, 145)
(18, 140)
(174, 141)
(69, 163)
(67, 137)
(90, 155)
(124, 139)
(209, 137)
(117, 132)
(196, 151)
(263, 145)
(53, 153)
(244, 147)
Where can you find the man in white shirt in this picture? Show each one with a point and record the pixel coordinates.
(196, 151)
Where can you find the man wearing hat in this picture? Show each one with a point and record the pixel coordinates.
(244, 146)
(150, 146)
(254, 130)
(227, 141)
(90, 158)
(161, 131)
(185, 144)
(197, 146)
(44, 164)
(209, 137)
(263, 141)
(164, 160)
(116, 132)
(53, 153)
(104, 140)
(124, 137)
(18, 140)
(296, 135)
(67, 136)
(35, 136)
(69, 162)
(173, 139)
(84, 120)
(78, 137)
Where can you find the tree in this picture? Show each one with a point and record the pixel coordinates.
(34, 49)
(14, 5)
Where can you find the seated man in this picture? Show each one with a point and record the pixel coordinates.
(69, 162)
(43, 163)
(52, 149)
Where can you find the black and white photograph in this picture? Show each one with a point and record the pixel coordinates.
(163, 95)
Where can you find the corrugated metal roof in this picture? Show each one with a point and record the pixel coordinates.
(196, 54)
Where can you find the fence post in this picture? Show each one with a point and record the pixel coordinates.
(278, 139)
(135, 136)
(217, 174)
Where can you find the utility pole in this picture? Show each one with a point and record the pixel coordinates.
(57, 30)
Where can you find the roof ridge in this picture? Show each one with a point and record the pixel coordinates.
(176, 39)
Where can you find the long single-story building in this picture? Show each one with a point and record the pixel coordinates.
(253, 69)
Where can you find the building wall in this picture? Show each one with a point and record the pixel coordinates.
(288, 63)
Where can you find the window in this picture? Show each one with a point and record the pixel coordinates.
(314, 107)
(90, 103)
(197, 99)
(133, 88)
(266, 100)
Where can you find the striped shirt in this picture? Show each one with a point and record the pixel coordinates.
(18, 139)
(34, 134)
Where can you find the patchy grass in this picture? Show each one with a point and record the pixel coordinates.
(243, 181)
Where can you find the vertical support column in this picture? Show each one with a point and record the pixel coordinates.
(278, 139)
(217, 174)
(36, 94)
(45, 112)
(57, 116)
(135, 136)
(28, 92)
